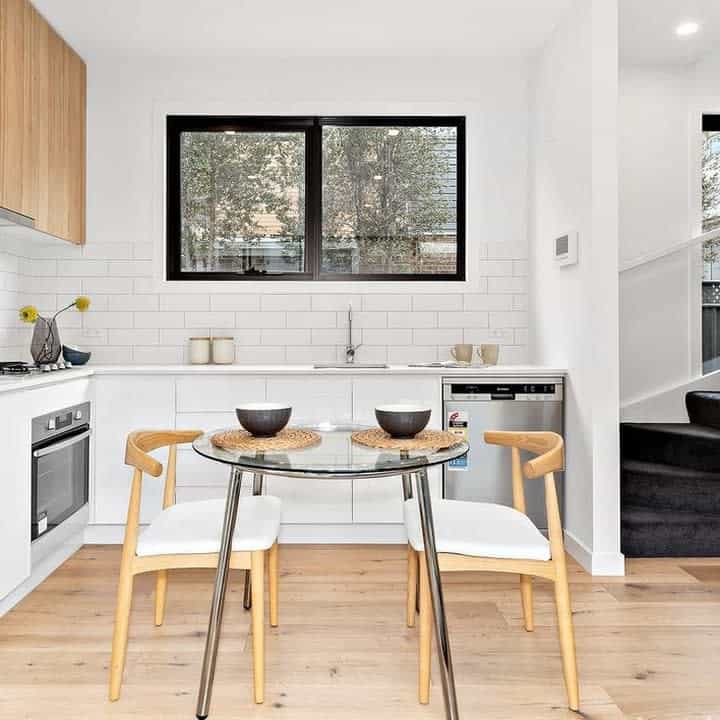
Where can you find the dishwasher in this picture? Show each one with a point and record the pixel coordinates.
(473, 405)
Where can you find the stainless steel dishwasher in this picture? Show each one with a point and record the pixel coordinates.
(474, 405)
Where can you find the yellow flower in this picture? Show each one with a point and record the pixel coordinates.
(29, 313)
(82, 303)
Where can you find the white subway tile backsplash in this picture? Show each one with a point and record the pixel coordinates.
(363, 319)
(108, 251)
(181, 336)
(387, 302)
(110, 285)
(505, 251)
(412, 319)
(512, 285)
(325, 319)
(211, 318)
(437, 302)
(285, 302)
(174, 319)
(130, 268)
(285, 336)
(509, 319)
(158, 355)
(145, 336)
(436, 336)
(261, 355)
(520, 267)
(336, 302)
(185, 302)
(477, 336)
(475, 302)
(246, 303)
(308, 355)
(106, 320)
(520, 302)
(464, 319)
(110, 355)
(411, 354)
(44, 268)
(82, 268)
(335, 336)
(247, 319)
(147, 303)
(496, 268)
(387, 336)
(521, 336)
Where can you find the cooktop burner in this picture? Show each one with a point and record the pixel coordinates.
(15, 368)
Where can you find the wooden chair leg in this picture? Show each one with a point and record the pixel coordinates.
(526, 595)
(257, 570)
(160, 596)
(425, 639)
(273, 583)
(412, 584)
(120, 633)
(567, 639)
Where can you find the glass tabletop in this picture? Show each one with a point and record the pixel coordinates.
(336, 455)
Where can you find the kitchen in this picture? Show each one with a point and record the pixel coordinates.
(199, 221)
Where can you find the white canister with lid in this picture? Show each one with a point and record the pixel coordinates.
(223, 350)
(199, 350)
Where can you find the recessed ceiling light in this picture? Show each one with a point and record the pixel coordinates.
(687, 28)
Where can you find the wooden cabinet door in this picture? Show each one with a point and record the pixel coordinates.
(59, 101)
(18, 166)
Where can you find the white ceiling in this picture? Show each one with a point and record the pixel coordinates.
(227, 28)
(647, 31)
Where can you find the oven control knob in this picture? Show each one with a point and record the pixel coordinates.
(51, 424)
(78, 414)
(45, 368)
(54, 367)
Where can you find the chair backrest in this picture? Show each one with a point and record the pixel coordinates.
(548, 448)
(141, 442)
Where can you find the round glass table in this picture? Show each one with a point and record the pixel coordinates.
(335, 456)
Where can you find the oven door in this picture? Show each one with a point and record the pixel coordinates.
(60, 476)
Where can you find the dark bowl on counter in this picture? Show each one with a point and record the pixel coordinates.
(76, 356)
(263, 419)
(402, 421)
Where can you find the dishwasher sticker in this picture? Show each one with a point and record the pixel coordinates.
(457, 424)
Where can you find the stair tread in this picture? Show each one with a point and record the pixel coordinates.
(657, 468)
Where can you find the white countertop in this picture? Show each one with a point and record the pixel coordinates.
(8, 384)
(501, 370)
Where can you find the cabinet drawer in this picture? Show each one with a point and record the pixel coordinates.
(217, 394)
(314, 400)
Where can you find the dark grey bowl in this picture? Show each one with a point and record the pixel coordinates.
(74, 355)
(263, 419)
(402, 421)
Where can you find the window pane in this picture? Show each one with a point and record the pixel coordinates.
(389, 200)
(242, 202)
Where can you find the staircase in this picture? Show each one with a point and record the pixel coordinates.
(670, 483)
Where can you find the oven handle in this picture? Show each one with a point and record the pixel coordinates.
(62, 444)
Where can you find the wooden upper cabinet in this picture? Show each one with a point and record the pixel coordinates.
(45, 173)
(18, 174)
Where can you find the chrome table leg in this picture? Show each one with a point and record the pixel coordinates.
(218, 601)
(433, 568)
(247, 594)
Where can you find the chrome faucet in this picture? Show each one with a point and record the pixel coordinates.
(350, 349)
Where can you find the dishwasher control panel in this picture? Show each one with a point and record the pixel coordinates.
(531, 390)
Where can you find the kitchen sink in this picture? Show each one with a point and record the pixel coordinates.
(348, 366)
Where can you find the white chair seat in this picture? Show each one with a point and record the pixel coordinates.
(478, 530)
(195, 527)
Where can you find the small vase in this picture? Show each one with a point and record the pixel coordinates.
(45, 346)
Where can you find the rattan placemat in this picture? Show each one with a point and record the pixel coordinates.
(426, 440)
(287, 439)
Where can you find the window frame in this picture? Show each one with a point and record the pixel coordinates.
(312, 127)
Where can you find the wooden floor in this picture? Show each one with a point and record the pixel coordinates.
(648, 644)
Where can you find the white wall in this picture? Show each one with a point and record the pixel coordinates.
(137, 319)
(574, 315)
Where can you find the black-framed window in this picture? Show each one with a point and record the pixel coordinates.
(315, 198)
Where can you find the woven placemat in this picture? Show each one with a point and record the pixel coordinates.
(426, 440)
(287, 439)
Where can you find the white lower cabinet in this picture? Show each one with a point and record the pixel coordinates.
(312, 501)
(122, 404)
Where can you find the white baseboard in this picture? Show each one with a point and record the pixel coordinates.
(376, 533)
(596, 563)
(41, 571)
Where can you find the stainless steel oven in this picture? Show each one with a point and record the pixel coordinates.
(60, 466)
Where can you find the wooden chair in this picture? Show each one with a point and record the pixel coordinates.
(487, 537)
(187, 535)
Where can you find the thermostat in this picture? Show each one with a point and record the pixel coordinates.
(565, 249)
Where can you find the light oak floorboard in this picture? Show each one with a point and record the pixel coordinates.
(647, 644)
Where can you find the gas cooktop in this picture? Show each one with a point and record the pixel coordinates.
(15, 368)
